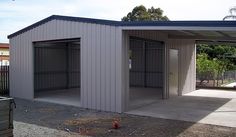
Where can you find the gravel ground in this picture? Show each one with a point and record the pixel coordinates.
(45, 119)
(31, 130)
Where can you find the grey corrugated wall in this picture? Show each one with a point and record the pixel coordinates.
(101, 52)
(187, 61)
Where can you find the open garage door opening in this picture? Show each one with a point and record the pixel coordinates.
(146, 65)
(57, 71)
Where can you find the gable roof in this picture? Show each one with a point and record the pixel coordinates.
(66, 18)
(132, 23)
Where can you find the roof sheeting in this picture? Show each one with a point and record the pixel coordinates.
(128, 24)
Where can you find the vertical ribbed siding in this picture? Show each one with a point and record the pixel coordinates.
(98, 68)
(113, 69)
(100, 61)
(187, 68)
(21, 84)
(125, 69)
(120, 82)
(100, 72)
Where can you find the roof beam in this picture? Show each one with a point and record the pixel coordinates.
(224, 34)
(201, 38)
(232, 43)
(187, 32)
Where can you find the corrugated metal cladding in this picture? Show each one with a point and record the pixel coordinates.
(186, 61)
(101, 63)
(187, 67)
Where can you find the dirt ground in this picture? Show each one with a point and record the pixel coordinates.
(38, 118)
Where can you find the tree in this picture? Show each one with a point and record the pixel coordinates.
(206, 68)
(232, 15)
(223, 58)
(218, 51)
(140, 13)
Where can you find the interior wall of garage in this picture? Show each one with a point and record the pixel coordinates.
(146, 63)
(187, 58)
(151, 35)
(50, 67)
(187, 63)
(56, 65)
(101, 61)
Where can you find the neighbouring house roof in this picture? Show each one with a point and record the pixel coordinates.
(130, 24)
(4, 45)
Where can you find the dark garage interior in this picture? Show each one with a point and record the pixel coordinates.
(146, 71)
(57, 71)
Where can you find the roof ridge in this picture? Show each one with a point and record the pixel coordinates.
(126, 23)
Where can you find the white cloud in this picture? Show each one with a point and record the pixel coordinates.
(17, 14)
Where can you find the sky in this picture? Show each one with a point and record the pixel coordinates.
(17, 14)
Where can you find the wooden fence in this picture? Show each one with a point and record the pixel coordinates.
(4, 80)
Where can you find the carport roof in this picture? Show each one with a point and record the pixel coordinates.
(140, 24)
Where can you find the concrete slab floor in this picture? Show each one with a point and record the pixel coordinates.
(66, 96)
(140, 97)
(217, 107)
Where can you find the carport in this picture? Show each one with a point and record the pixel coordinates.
(181, 101)
(166, 68)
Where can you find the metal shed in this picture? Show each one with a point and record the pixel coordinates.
(113, 64)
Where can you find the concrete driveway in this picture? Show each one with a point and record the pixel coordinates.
(231, 85)
(217, 107)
